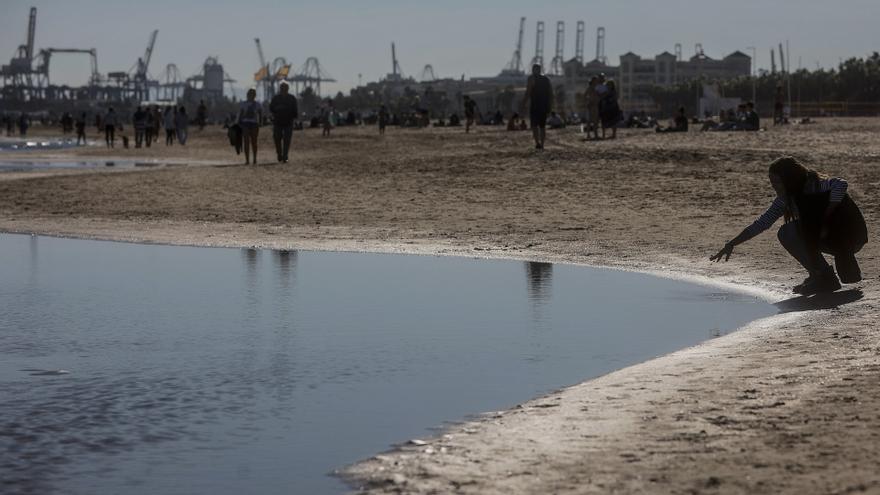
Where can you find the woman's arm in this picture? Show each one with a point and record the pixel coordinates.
(764, 222)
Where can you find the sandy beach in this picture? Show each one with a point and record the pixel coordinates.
(789, 404)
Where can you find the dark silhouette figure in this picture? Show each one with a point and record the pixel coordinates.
(23, 123)
(680, 123)
(201, 115)
(149, 126)
(284, 112)
(779, 106)
(383, 119)
(820, 217)
(110, 122)
(81, 129)
(250, 116)
(139, 120)
(328, 118)
(170, 120)
(470, 112)
(539, 97)
(609, 108)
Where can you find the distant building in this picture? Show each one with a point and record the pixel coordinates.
(635, 76)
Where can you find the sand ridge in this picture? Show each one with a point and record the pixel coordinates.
(788, 404)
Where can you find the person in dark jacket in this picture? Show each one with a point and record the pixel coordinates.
(539, 97)
(284, 112)
(820, 217)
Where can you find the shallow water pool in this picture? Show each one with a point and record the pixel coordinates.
(145, 369)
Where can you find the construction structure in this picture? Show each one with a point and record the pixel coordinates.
(538, 59)
(396, 73)
(579, 43)
(310, 75)
(600, 46)
(27, 78)
(558, 61)
(428, 74)
(207, 85)
(514, 67)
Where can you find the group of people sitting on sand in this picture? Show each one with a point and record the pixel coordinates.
(744, 118)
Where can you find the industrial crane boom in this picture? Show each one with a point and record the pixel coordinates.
(149, 53)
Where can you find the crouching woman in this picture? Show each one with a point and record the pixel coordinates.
(820, 217)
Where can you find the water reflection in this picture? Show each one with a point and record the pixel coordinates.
(539, 277)
(286, 268)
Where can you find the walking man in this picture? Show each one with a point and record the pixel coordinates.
(539, 96)
(284, 111)
(81, 129)
(470, 112)
(110, 127)
(139, 120)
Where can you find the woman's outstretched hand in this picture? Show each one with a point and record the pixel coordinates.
(725, 253)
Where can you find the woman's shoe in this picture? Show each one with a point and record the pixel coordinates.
(824, 282)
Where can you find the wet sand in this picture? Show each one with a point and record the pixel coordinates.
(789, 404)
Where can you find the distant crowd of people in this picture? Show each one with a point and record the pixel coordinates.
(599, 118)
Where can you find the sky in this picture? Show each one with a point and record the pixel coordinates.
(352, 38)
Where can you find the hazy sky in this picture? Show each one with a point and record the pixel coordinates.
(456, 37)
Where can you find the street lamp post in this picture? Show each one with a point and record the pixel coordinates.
(754, 76)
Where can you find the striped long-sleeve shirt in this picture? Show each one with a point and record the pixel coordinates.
(836, 186)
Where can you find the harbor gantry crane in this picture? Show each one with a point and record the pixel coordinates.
(46, 57)
(141, 78)
(311, 75)
(514, 67)
(396, 72)
(579, 43)
(559, 59)
(600, 45)
(538, 59)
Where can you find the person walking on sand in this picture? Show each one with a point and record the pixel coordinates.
(250, 114)
(139, 121)
(609, 109)
(81, 129)
(202, 115)
(779, 106)
(820, 217)
(470, 112)
(327, 118)
(284, 111)
(181, 122)
(157, 123)
(170, 122)
(383, 119)
(592, 96)
(148, 126)
(539, 97)
(110, 122)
